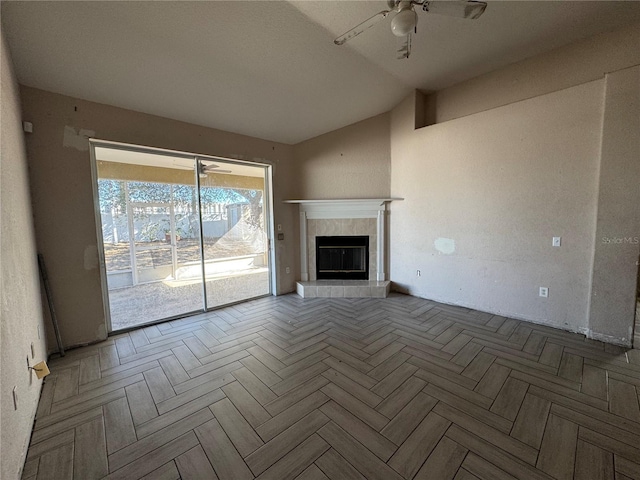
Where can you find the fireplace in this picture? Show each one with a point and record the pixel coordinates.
(342, 257)
(343, 248)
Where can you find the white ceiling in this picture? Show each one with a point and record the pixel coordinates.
(269, 69)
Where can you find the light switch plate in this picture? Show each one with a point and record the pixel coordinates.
(556, 241)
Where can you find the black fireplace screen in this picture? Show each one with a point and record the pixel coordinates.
(342, 258)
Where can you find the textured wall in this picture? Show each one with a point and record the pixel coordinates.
(545, 147)
(20, 307)
(60, 175)
(352, 162)
(568, 66)
(485, 194)
(617, 245)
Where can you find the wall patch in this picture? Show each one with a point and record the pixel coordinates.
(446, 246)
(78, 139)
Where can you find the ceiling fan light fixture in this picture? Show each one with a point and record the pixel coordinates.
(404, 22)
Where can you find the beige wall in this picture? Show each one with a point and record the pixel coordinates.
(60, 176)
(617, 245)
(546, 147)
(20, 311)
(568, 66)
(485, 194)
(352, 162)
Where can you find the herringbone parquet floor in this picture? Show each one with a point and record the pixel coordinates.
(284, 387)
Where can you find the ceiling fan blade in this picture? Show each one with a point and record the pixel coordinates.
(370, 22)
(405, 50)
(211, 168)
(470, 9)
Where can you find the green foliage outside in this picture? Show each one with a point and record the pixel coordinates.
(112, 196)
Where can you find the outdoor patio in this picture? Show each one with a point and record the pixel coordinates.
(159, 300)
(234, 272)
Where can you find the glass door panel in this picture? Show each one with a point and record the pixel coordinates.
(234, 220)
(151, 235)
(170, 221)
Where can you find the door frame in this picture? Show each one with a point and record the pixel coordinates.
(267, 206)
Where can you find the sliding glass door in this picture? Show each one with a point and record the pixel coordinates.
(179, 234)
(235, 245)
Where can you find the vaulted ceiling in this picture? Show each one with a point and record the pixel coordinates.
(270, 69)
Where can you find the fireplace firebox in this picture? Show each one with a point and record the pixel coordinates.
(342, 258)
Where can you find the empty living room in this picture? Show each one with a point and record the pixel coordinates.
(306, 240)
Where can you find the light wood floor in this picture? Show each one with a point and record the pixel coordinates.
(284, 388)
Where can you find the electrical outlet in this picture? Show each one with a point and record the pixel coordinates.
(287, 270)
(544, 292)
(556, 241)
(418, 273)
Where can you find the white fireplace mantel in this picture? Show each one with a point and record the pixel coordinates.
(343, 208)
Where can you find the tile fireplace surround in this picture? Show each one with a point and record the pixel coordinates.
(343, 217)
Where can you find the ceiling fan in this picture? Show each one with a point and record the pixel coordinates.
(210, 168)
(404, 22)
(203, 170)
